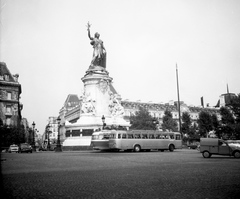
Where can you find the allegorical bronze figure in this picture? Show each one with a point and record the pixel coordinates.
(99, 51)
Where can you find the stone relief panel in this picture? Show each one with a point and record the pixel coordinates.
(14, 95)
(115, 107)
(103, 85)
(88, 104)
(3, 94)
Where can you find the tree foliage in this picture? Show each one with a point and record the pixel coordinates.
(186, 123)
(204, 123)
(142, 120)
(12, 135)
(215, 122)
(189, 129)
(168, 122)
(227, 116)
(230, 122)
(235, 107)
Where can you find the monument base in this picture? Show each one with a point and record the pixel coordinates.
(99, 99)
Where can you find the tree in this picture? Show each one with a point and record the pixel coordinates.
(142, 120)
(168, 122)
(12, 135)
(227, 122)
(186, 123)
(216, 125)
(235, 107)
(204, 123)
(215, 122)
(227, 116)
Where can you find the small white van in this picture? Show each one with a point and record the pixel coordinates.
(214, 146)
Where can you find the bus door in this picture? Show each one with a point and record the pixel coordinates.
(164, 141)
(178, 141)
(123, 142)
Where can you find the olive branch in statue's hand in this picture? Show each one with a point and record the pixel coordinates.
(88, 26)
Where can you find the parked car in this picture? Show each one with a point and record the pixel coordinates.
(25, 147)
(210, 146)
(13, 148)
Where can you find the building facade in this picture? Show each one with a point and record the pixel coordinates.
(52, 133)
(10, 91)
(70, 112)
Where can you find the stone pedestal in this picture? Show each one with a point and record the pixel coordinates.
(99, 98)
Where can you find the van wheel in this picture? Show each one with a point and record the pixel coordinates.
(171, 148)
(137, 148)
(206, 154)
(236, 154)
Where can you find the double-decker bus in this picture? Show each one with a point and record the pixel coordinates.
(138, 140)
(100, 140)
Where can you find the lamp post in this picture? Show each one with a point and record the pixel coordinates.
(33, 144)
(58, 148)
(48, 132)
(103, 121)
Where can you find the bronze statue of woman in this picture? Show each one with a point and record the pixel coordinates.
(99, 51)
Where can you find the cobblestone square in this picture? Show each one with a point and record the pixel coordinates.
(92, 174)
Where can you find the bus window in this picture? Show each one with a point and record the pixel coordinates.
(105, 136)
(124, 136)
(137, 136)
(119, 136)
(112, 136)
(130, 136)
(151, 136)
(158, 136)
(144, 136)
(178, 137)
(171, 136)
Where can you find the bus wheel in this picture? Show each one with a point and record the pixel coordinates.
(237, 154)
(206, 154)
(171, 148)
(137, 148)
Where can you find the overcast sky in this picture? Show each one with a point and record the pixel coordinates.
(46, 43)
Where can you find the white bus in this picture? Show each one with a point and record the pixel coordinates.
(138, 140)
(100, 140)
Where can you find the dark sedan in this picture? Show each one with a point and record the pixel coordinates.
(25, 148)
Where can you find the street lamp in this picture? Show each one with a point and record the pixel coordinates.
(103, 121)
(48, 132)
(58, 148)
(33, 144)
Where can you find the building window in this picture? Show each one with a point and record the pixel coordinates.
(8, 121)
(8, 109)
(6, 77)
(9, 96)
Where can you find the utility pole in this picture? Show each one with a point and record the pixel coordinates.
(179, 112)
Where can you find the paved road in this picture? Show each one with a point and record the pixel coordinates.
(179, 174)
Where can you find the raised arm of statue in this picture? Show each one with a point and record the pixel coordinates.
(88, 29)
